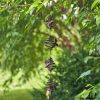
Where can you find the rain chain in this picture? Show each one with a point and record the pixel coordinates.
(50, 43)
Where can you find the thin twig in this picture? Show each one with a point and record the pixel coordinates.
(10, 6)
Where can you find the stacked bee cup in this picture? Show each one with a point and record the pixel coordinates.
(50, 43)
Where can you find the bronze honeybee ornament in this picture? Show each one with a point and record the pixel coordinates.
(51, 42)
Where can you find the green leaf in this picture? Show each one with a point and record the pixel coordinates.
(40, 6)
(85, 74)
(97, 20)
(34, 5)
(95, 3)
(85, 94)
(82, 95)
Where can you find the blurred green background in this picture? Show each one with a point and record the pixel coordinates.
(23, 30)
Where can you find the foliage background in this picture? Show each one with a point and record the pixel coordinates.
(23, 31)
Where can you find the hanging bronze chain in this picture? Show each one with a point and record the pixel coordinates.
(50, 43)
